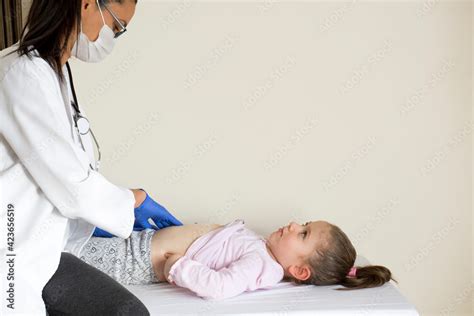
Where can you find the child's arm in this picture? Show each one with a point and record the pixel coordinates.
(240, 276)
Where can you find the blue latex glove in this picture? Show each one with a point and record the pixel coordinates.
(102, 233)
(148, 209)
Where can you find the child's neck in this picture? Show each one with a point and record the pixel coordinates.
(270, 252)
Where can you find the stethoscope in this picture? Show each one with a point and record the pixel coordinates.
(81, 123)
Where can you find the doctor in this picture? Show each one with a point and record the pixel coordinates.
(52, 196)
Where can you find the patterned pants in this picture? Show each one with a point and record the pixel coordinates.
(128, 261)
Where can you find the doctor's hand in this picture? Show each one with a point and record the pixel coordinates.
(147, 208)
(102, 233)
(151, 209)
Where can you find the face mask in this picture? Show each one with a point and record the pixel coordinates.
(93, 52)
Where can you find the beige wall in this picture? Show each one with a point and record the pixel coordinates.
(357, 113)
(25, 6)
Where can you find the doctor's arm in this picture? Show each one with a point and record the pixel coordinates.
(34, 123)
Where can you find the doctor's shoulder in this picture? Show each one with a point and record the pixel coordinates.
(28, 68)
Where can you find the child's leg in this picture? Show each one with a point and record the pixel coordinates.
(128, 261)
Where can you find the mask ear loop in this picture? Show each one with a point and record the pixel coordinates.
(77, 39)
(100, 10)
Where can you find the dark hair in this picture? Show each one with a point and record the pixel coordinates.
(331, 263)
(48, 27)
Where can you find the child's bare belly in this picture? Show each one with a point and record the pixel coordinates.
(174, 240)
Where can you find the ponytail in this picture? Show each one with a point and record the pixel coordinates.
(366, 277)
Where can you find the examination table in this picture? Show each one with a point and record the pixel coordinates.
(283, 299)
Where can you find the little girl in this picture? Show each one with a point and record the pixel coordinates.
(220, 261)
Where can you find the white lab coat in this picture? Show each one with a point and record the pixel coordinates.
(45, 177)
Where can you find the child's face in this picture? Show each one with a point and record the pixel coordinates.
(293, 244)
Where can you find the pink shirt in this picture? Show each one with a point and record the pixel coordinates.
(226, 262)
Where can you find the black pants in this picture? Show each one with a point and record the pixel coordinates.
(77, 288)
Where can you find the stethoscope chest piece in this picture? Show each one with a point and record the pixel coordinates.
(82, 124)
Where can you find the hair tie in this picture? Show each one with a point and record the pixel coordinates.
(352, 272)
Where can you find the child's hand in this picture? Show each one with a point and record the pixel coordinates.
(170, 260)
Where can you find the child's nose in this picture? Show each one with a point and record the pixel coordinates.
(292, 226)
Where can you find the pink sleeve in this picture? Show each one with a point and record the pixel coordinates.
(207, 283)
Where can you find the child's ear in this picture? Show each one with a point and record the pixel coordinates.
(300, 272)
